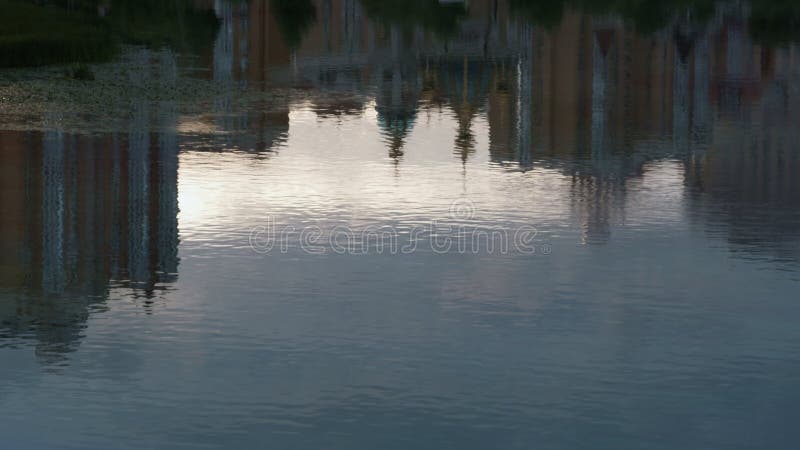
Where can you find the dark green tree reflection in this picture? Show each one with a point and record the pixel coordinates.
(295, 18)
(441, 18)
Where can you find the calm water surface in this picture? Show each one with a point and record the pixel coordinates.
(655, 307)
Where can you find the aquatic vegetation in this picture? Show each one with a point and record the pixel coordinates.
(104, 104)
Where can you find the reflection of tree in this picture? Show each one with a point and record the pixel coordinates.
(775, 21)
(33, 35)
(91, 30)
(441, 18)
(646, 15)
(176, 23)
(294, 18)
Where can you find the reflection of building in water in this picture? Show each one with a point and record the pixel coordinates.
(86, 212)
(247, 50)
(745, 185)
(589, 96)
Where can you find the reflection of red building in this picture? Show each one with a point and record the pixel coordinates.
(75, 207)
(73, 211)
(77, 212)
(741, 68)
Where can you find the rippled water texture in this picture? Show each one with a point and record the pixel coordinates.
(342, 224)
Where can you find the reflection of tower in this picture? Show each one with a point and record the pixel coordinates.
(397, 96)
(466, 87)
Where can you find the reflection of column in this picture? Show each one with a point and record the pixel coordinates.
(53, 277)
(138, 189)
(351, 11)
(735, 51)
(599, 79)
(91, 239)
(326, 25)
(223, 64)
(730, 97)
(223, 46)
(680, 103)
(167, 177)
(244, 27)
(117, 212)
(71, 245)
(701, 103)
(525, 96)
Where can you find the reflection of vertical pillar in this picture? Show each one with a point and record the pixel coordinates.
(525, 96)
(117, 203)
(701, 104)
(223, 46)
(138, 189)
(680, 103)
(167, 176)
(71, 217)
(223, 64)
(326, 25)
(734, 69)
(734, 56)
(91, 239)
(53, 277)
(244, 27)
(352, 22)
(599, 79)
(396, 75)
(371, 37)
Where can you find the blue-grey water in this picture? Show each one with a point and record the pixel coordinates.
(444, 227)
